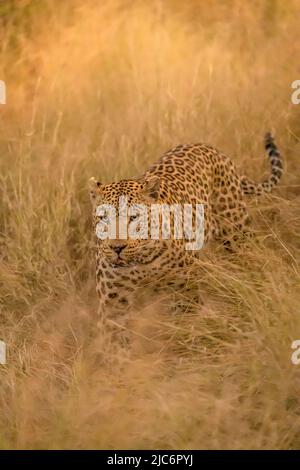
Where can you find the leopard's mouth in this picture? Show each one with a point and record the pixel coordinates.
(122, 264)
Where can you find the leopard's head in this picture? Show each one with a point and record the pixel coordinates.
(122, 216)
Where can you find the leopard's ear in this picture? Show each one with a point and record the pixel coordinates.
(95, 189)
(151, 187)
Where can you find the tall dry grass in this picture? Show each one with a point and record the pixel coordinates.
(103, 88)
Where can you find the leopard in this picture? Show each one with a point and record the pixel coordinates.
(187, 174)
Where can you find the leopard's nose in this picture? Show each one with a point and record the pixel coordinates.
(118, 248)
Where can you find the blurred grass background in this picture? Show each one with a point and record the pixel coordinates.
(103, 89)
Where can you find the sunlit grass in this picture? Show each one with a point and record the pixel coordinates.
(103, 89)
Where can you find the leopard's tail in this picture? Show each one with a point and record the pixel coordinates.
(250, 187)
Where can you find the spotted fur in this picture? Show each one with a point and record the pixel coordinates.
(195, 173)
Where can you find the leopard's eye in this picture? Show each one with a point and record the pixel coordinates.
(132, 218)
(103, 219)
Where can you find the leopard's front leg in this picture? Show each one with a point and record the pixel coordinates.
(116, 298)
